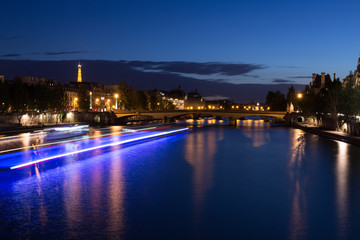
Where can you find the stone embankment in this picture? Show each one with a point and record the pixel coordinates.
(335, 135)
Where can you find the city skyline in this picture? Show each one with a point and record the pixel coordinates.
(278, 42)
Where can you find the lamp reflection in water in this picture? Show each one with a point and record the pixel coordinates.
(341, 172)
(116, 196)
(103, 180)
(72, 200)
(298, 219)
(259, 138)
(200, 149)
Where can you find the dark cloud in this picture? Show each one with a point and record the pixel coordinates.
(278, 80)
(10, 37)
(38, 53)
(252, 76)
(11, 55)
(301, 77)
(111, 72)
(207, 68)
(62, 53)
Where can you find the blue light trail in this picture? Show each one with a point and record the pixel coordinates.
(26, 158)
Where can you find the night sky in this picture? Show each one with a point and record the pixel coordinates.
(236, 42)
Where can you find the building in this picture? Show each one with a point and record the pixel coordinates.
(79, 79)
(320, 81)
(2, 79)
(357, 73)
(354, 76)
(193, 100)
(31, 80)
(177, 97)
(102, 98)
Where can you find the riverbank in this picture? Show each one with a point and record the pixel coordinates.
(335, 135)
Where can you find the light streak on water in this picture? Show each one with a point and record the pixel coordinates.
(23, 159)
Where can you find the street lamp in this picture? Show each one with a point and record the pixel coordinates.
(116, 102)
(75, 100)
(90, 100)
(299, 97)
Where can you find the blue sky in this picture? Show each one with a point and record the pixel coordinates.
(289, 39)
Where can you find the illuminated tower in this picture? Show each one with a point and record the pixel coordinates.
(79, 73)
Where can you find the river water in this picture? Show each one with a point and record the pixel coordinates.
(214, 182)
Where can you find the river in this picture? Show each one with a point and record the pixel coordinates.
(213, 182)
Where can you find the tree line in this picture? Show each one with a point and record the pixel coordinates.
(16, 96)
(336, 102)
(137, 100)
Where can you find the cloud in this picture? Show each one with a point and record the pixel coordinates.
(206, 68)
(301, 77)
(278, 80)
(49, 53)
(62, 53)
(216, 97)
(7, 37)
(251, 75)
(111, 72)
(11, 55)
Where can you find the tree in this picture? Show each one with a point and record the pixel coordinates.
(349, 104)
(83, 100)
(4, 96)
(19, 96)
(126, 96)
(291, 95)
(140, 100)
(276, 101)
(332, 100)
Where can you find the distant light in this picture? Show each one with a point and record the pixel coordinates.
(299, 95)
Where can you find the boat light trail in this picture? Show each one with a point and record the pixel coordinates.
(71, 140)
(99, 147)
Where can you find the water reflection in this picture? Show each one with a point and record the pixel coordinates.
(259, 137)
(203, 122)
(342, 188)
(116, 197)
(104, 187)
(200, 149)
(72, 201)
(298, 216)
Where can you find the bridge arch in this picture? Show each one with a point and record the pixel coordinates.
(220, 114)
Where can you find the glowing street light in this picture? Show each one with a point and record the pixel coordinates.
(299, 96)
(116, 101)
(75, 100)
(90, 100)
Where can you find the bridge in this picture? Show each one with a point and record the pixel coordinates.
(232, 115)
